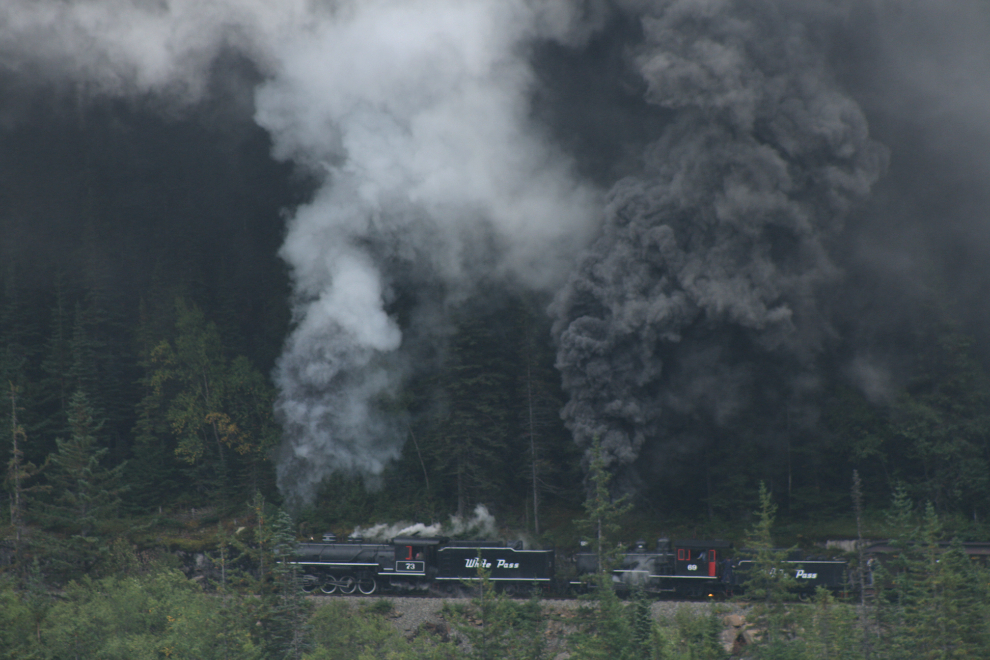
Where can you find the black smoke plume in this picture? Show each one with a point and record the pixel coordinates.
(701, 297)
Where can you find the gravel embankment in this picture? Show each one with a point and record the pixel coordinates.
(410, 614)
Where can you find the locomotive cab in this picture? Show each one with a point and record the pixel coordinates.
(697, 561)
(697, 565)
(416, 556)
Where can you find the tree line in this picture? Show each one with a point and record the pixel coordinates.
(925, 602)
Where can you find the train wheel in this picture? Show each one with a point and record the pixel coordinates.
(367, 585)
(309, 583)
(347, 584)
(329, 584)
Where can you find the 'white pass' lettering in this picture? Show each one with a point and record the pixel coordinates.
(501, 563)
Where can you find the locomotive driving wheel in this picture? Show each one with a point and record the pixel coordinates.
(309, 583)
(367, 585)
(329, 585)
(347, 584)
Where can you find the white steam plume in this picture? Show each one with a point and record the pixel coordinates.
(480, 524)
(417, 113)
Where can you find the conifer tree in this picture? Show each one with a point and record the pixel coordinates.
(769, 582)
(469, 437)
(56, 364)
(288, 611)
(497, 627)
(280, 607)
(603, 513)
(830, 630)
(19, 472)
(609, 631)
(84, 493)
(539, 407)
(857, 497)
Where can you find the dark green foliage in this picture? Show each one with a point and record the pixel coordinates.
(830, 630)
(497, 627)
(18, 630)
(944, 421)
(344, 632)
(469, 437)
(769, 582)
(148, 616)
(18, 478)
(212, 412)
(697, 635)
(604, 513)
(84, 491)
(642, 626)
(83, 494)
(548, 451)
(607, 628)
(279, 610)
(931, 602)
(610, 629)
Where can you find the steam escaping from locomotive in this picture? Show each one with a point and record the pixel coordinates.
(479, 525)
(415, 114)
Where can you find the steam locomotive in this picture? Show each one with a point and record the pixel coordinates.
(680, 568)
(415, 563)
(698, 569)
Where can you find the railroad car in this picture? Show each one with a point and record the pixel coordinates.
(809, 573)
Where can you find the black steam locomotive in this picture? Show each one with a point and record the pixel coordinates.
(680, 568)
(416, 563)
(677, 568)
(696, 569)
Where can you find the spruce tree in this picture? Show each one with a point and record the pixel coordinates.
(85, 494)
(603, 512)
(543, 441)
(19, 473)
(471, 428)
(608, 633)
(769, 581)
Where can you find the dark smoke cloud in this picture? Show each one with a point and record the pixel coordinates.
(712, 257)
